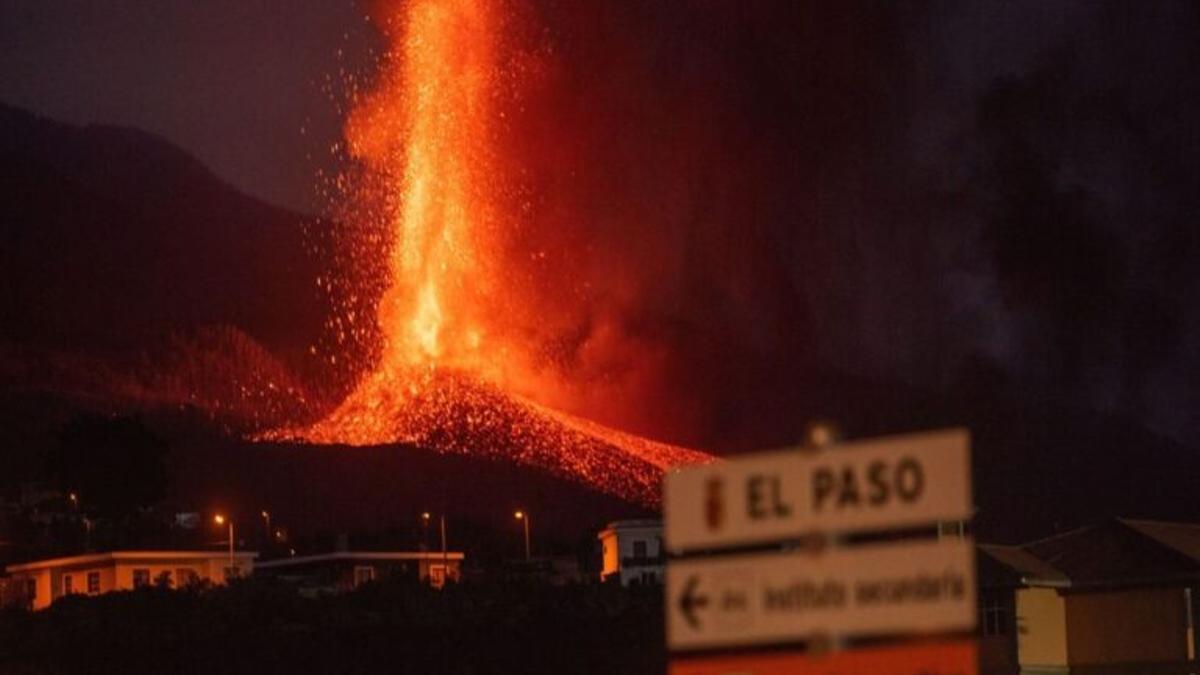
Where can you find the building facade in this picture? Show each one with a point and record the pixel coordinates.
(632, 552)
(1118, 598)
(346, 570)
(40, 583)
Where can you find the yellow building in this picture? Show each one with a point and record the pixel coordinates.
(1115, 598)
(44, 581)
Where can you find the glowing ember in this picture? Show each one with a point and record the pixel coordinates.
(449, 363)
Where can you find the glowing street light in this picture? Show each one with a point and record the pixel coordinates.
(425, 529)
(266, 515)
(524, 518)
(222, 520)
(822, 434)
(426, 516)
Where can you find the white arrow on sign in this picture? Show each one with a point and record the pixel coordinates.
(883, 483)
(783, 597)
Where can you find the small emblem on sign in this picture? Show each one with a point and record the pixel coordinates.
(714, 503)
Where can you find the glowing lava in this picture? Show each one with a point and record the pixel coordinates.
(448, 365)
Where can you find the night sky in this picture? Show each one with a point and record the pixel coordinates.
(901, 191)
(241, 85)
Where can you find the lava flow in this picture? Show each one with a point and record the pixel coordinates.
(451, 371)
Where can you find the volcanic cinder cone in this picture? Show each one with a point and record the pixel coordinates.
(455, 412)
(453, 323)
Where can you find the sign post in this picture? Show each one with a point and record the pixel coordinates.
(943, 657)
(774, 496)
(781, 595)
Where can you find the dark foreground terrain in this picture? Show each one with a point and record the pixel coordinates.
(262, 627)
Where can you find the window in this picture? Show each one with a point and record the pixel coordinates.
(185, 577)
(93, 583)
(639, 549)
(363, 574)
(995, 611)
(68, 584)
(141, 577)
(437, 576)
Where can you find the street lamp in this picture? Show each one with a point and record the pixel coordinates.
(822, 434)
(267, 517)
(524, 518)
(87, 523)
(427, 516)
(222, 520)
(442, 526)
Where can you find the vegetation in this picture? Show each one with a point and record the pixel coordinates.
(262, 626)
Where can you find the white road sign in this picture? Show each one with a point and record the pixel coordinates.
(752, 599)
(881, 483)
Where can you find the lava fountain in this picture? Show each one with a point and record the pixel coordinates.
(448, 368)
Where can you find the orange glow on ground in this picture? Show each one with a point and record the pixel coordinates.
(450, 362)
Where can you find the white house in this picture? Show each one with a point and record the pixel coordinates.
(44, 581)
(347, 570)
(632, 551)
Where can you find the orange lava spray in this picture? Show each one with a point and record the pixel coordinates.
(447, 359)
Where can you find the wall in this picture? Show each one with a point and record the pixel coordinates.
(1131, 626)
(216, 568)
(447, 570)
(43, 597)
(610, 560)
(119, 575)
(626, 538)
(79, 579)
(202, 569)
(1041, 630)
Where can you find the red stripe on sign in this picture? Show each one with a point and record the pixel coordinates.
(958, 657)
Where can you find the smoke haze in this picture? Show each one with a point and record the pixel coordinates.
(713, 204)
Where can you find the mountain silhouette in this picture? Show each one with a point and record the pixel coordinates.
(113, 242)
(109, 236)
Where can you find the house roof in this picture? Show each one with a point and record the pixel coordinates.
(360, 556)
(1181, 537)
(123, 556)
(628, 525)
(1116, 552)
(1029, 569)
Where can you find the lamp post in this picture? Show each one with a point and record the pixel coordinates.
(445, 563)
(87, 523)
(222, 520)
(266, 515)
(524, 518)
(425, 517)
